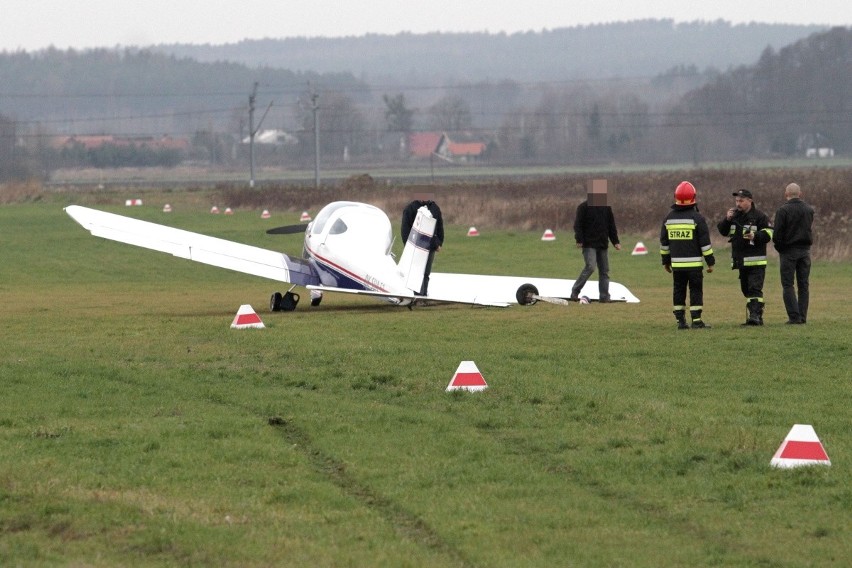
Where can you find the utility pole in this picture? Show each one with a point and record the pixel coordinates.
(252, 98)
(315, 109)
(253, 130)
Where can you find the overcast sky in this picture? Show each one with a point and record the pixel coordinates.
(36, 24)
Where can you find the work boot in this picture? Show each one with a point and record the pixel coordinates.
(680, 316)
(697, 322)
(759, 312)
(753, 318)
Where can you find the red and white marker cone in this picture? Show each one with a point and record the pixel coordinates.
(247, 318)
(800, 447)
(467, 378)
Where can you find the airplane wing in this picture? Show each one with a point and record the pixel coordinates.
(193, 246)
(393, 298)
(405, 299)
(491, 290)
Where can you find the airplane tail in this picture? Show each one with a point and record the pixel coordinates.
(412, 263)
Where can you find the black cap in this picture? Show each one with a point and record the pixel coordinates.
(742, 193)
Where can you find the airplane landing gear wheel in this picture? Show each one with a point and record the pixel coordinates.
(275, 302)
(526, 295)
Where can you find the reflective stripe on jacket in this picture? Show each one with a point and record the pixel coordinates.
(745, 253)
(685, 239)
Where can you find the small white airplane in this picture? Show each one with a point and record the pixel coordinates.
(347, 249)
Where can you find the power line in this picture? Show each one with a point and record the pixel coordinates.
(175, 114)
(489, 132)
(297, 89)
(624, 118)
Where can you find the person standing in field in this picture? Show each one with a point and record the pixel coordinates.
(793, 238)
(748, 230)
(684, 248)
(594, 229)
(408, 216)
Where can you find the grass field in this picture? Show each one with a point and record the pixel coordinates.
(137, 428)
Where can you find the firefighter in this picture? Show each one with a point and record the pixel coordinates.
(685, 247)
(748, 230)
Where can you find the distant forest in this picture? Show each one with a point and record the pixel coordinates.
(642, 48)
(642, 92)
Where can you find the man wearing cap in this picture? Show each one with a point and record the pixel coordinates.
(748, 230)
(793, 239)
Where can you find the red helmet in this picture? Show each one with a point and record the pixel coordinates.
(685, 194)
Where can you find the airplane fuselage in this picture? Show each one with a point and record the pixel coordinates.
(350, 246)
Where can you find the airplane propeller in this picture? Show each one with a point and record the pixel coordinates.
(287, 230)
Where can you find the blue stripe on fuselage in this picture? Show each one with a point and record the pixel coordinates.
(301, 272)
(420, 240)
(341, 277)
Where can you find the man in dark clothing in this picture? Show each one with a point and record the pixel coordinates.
(685, 247)
(748, 230)
(594, 227)
(793, 239)
(408, 216)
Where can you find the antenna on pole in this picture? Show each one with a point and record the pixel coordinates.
(315, 109)
(253, 130)
(252, 98)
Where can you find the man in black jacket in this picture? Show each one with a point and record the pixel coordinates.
(408, 216)
(793, 239)
(684, 248)
(748, 230)
(594, 228)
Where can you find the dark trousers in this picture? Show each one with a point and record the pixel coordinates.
(796, 263)
(692, 279)
(591, 258)
(751, 282)
(425, 287)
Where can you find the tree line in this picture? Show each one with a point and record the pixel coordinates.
(790, 99)
(618, 49)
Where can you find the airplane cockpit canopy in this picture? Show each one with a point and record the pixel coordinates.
(364, 226)
(325, 214)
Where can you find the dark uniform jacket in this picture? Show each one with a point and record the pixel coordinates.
(793, 222)
(594, 226)
(410, 213)
(685, 239)
(744, 254)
